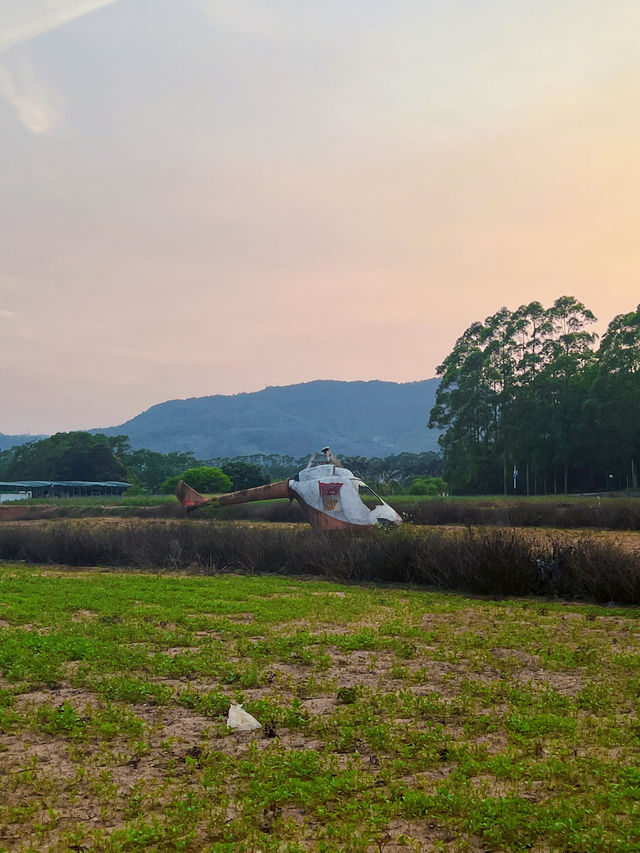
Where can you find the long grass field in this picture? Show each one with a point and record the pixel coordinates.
(393, 718)
(560, 511)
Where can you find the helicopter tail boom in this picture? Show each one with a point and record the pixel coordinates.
(192, 500)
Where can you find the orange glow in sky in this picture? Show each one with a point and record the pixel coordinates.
(201, 196)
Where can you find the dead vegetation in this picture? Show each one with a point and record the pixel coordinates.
(489, 561)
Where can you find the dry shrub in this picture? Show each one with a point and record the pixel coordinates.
(28, 512)
(277, 511)
(609, 513)
(489, 562)
(602, 571)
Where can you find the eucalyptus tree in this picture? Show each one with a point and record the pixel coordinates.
(533, 327)
(410, 466)
(473, 403)
(511, 393)
(619, 351)
(568, 353)
(617, 393)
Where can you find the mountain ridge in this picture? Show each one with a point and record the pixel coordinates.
(7, 441)
(366, 418)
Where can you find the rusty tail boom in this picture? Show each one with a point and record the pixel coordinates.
(192, 500)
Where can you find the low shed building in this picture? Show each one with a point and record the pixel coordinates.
(62, 488)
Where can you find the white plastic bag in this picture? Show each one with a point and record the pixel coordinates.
(241, 721)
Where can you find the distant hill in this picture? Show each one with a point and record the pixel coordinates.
(7, 441)
(355, 418)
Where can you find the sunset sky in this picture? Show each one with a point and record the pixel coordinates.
(212, 196)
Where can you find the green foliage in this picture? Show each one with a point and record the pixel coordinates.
(526, 389)
(483, 738)
(244, 475)
(400, 468)
(84, 456)
(62, 720)
(347, 695)
(168, 486)
(64, 456)
(275, 466)
(431, 486)
(206, 480)
(148, 469)
(614, 403)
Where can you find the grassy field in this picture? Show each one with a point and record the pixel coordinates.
(603, 567)
(566, 511)
(393, 718)
(485, 500)
(103, 501)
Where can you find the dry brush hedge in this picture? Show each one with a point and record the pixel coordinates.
(486, 562)
(607, 513)
(604, 514)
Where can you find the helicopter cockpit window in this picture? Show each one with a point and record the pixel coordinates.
(368, 494)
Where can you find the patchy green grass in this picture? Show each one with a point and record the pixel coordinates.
(102, 501)
(393, 718)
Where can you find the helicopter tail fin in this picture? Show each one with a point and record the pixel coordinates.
(188, 497)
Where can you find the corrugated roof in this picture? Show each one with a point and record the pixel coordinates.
(41, 484)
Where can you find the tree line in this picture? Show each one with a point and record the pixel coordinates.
(531, 397)
(388, 472)
(85, 456)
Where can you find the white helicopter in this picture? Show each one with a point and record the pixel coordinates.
(330, 495)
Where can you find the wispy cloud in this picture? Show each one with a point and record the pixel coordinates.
(6, 314)
(21, 20)
(37, 105)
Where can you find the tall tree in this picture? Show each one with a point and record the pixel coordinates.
(617, 393)
(513, 392)
(244, 475)
(473, 404)
(150, 468)
(64, 456)
(532, 327)
(568, 352)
